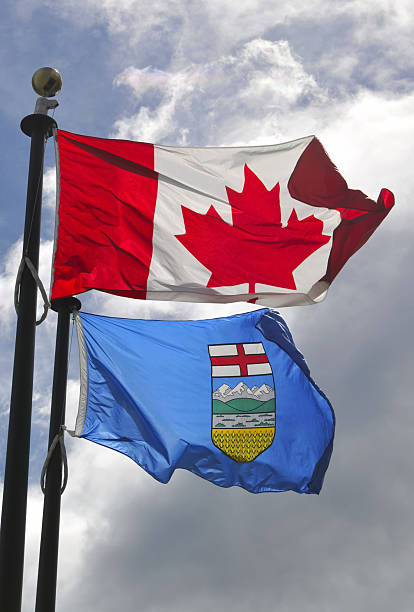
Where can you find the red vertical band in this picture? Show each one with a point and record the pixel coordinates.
(108, 192)
(316, 181)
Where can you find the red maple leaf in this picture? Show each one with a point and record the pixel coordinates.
(256, 248)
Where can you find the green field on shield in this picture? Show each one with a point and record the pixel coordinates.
(237, 406)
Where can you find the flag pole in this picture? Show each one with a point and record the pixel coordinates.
(49, 544)
(13, 522)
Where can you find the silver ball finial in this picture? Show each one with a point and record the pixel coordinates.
(47, 82)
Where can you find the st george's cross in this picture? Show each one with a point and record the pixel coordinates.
(239, 360)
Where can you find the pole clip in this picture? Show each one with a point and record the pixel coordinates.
(43, 105)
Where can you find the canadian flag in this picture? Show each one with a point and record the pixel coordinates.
(272, 224)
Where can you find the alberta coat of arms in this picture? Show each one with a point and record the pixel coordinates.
(243, 400)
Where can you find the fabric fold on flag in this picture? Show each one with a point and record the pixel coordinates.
(230, 399)
(156, 222)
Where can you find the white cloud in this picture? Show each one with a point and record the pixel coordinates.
(370, 139)
(223, 25)
(49, 188)
(236, 99)
(150, 125)
(7, 282)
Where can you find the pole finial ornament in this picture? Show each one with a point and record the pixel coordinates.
(47, 82)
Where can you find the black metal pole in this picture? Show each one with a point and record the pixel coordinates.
(49, 544)
(13, 522)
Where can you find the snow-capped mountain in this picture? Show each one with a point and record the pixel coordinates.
(225, 393)
(221, 392)
(264, 393)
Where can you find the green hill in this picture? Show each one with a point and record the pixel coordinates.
(242, 405)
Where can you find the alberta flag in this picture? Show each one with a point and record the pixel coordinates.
(273, 224)
(229, 399)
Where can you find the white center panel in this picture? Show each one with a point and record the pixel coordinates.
(196, 178)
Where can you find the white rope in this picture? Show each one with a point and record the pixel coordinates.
(46, 304)
(58, 439)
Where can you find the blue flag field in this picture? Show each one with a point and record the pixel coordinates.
(229, 399)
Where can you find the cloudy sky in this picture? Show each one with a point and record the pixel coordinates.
(232, 72)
